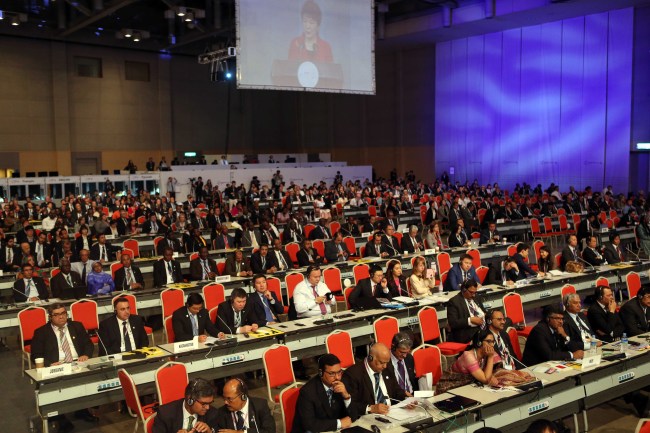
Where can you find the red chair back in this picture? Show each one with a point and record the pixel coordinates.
(169, 330)
(155, 244)
(213, 314)
(534, 227)
(332, 279)
(602, 281)
(633, 282)
(347, 292)
(361, 271)
(548, 225)
(536, 246)
(194, 256)
(514, 308)
(428, 360)
(576, 220)
(567, 289)
(133, 245)
(339, 343)
(213, 295)
(114, 268)
(171, 381)
(288, 402)
(482, 272)
(429, 325)
(277, 366)
(291, 281)
(319, 246)
(351, 244)
(133, 305)
(385, 328)
(55, 271)
(476, 257)
(335, 226)
(308, 229)
(512, 250)
(171, 300)
(514, 339)
(85, 311)
(558, 260)
(221, 267)
(130, 393)
(443, 277)
(29, 320)
(292, 249)
(444, 262)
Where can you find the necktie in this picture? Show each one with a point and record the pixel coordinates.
(10, 255)
(283, 263)
(505, 353)
(583, 327)
(575, 256)
(240, 421)
(378, 249)
(263, 263)
(103, 257)
(329, 396)
(195, 325)
(474, 311)
(28, 287)
(342, 258)
(127, 340)
(267, 309)
(465, 278)
(206, 269)
(401, 372)
(83, 274)
(325, 233)
(154, 228)
(169, 268)
(225, 241)
(379, 394)
(415, 245)
(323, 309)
(238, 267)
(237, 319)
(65, 347)
(620, 253)
(127, 272)
(68, 280)
(190, 421)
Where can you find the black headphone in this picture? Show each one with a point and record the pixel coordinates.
(244, 389)
(395, 343)
(488, 316)
(370, 357)
(599, 291)
(476, 340)
(190, 401)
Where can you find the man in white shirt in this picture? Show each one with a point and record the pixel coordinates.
(576, 327)
(84, 266)
(49, 222)
(312, 297)
(123, 332)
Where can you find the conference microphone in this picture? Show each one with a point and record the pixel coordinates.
(99, 337)
(395, 252)
(23, 294)
(590, 271)
(627, 248)
(255, 422)
(224, 322)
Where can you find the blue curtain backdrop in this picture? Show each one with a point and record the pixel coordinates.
(546, 103)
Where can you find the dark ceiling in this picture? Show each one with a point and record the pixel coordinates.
(96, 22)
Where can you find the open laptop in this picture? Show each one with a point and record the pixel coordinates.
(474, 242)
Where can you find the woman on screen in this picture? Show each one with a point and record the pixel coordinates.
(309, 45)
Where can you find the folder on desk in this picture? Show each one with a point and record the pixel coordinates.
(264, 332)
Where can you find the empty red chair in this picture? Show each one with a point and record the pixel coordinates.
(29, 320)
(213, 295)
(292, 249)
(515, 311)
(351, 244)
(171, 381)
(288, 402)
(141, 413)
(430, 331)
(482, 272)
(339, 343)
(633, 282)
(602, 281)
(221, 267)
(361, 271)
(427, 360)
(385, 328)
(476, 257)
(444, 262)
(277, 366)
(169, 330)
(85, 311)
(319, 246)
(171, 300)
(132, 245)
(558, 260)
(335, 226)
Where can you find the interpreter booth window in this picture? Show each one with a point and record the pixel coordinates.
(91, 187)
(3, 194)
(90, 67)
(60, 190)
(151, 186)
(21, 192)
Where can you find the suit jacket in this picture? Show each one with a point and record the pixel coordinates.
(226, 317)
(288, 235)
(371, 249)
(633, 319)
(407, 243)
(120, 278)
(358, 384)
(94, 252)
(409, 365)
(194, 244)
(272, 256)
(393, 247)
(364, 290)
(303, 258)
(220, 243)
(589, 256)
(59, 286)
(523, 266)
(313, 411)
(543, 345)
(567, 256)
(247, 240)
(3, 258)
(612, 255)
(160, 274)
(47, 255)
(110, 333)
(455, 278)
(79, 243)
(231, 266)
(394, 291)
(146, 227)
(350, 230)
(457, 318)
(332, 251)
(258, 266)
(45, 343)
(164, 243)
(255, 303)
(196, 268)
(506, 341)
(573, 331)
(19, 289)
(183, 325)
(170, 418)
(319, 233)
(606, 325)
(260, 419)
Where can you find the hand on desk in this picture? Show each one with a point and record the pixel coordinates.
(379, 408)
(578, 354)
(346, 422)
(82, 358)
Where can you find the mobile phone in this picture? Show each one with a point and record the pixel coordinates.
(381, 419)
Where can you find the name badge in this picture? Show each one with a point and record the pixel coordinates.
(222, 279)
(186, 346)
(56, 370)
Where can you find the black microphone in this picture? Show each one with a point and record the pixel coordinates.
(592, 270)
(103, 345)
(26, 296)
(627, 248)
(224, 322)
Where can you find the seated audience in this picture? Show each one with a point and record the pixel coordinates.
(635, 313)
(461, 272)
(99, 283)
(548, 340)
(129, 276)
(193, 320)
(203, 267)
(167, 270)
(489, 235)
(234, 317)
(311, 296)
(193, 413)
(422, 285)
(123, 332)
(396, 280)
(603, 317)
(465, 314)
(376, 248)
(613, 250)
(570, 253)
(521, 258)
(575, 325)
(307, 256)
(63, 283)
(29, 288)
(279, 258)
(390, 242)
(241, 412)
(336, 250)
(591, 254)
(546, 260)
(505, 273)
(402, 362)
(368, 290)
(265, 304)
(237, 266)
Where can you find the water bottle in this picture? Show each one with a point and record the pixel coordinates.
(593, 351)
(624, 343)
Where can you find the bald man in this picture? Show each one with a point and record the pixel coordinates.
(371, 385)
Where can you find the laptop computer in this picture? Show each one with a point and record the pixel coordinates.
(474, 242)
(455, 404)
(78, 292)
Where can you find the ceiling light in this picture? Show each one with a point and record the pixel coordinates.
(15, 21)
(181, 11)
(136, 37)
(2, 15)
(189, 17)
(128, 33)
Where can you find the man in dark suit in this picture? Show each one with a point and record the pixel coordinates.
(376, 248)
(197, 406)
(402, 363)
(336, 250)
(102, 250)
(43, 251)
(251, 236)
(264, 303)
(507, 271)
(63, 283)
(613, 252)
(390, 242)
(496, 321)
(489, 235)
(411, 242)
(152, 226)
(370, 288)
(7, 254)
(123, 223)
(320, 231)
(521, 259)
(203, 267)
(233, 317)
(279, 258)
(465, 314)
(575, 325)
(166, 270)
(222, 240)
(261, 262)
(30, 287)
(570, 252)
(123, 332)
(291, 233)
(128, 277)
(324, 403)
(635, 313)
(371, 385)
(391, 220)
(602, 315)
(461, 272)
(548, 340)
(266, 233)
(193, 320)
(307, 255)
(586, 228)
(241, 412)
(169, 241)
(237, 265)
(351, 228)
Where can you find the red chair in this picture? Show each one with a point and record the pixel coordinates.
(213, 314)
(514, 339)
(430, 331)
(512, 249)
(288, 401)
(308, 228)
(141, 220)
(332, 279)
(133, 308)
(29, 320)
(141, 413)
(55, 271)
(443, 277)
(362, 251)
(475, 235)
(85, 311)
(385, 328)
(277, 368)
(213, 295)
(149, 423)
(536, 247)
(339, 343)
(558, 260)
(171, 300)
(114, 268)
(351, 244)
(444, 262)
(127, 252)
(633, 282)
(132, 245)
(274, 285)
(361, 271)
(577, 219)
(292, 249)
(171, 381)
(221, 267)
(335, 226)
(428, 360)
(567, 289)
(515, 311)
(602, 281)
(476, 257)
(194, 256)
(319, 246)
(155, 244)
(169, 330)
(564, 226)
(372, 211)
(291, 280)
(482, 272)
(346, 293)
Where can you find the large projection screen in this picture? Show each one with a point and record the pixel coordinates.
(308, 45)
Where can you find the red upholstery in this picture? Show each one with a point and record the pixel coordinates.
(385, 328)
(277, 366)
(339, 343)
(213, 295)
(171, 381)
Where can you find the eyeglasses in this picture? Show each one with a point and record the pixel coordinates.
(333, 373)
(204, 403)
(489, 341)
(556, 318)
(231, 399)
(61, 314)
